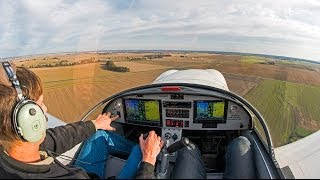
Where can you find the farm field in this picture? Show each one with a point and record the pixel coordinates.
(233, 64)
(290, 109)
(241, 84)
(89, 84)
(286, 93)
(84, 86)
(252, 59)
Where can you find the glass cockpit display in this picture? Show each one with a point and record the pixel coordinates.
(209, 111)
(143, 111)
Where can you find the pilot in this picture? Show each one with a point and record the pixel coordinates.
(29, 150)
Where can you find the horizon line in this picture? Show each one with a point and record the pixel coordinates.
(172, 50)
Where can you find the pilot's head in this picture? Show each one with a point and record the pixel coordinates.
(31, 88)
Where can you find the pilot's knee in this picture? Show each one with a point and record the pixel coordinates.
(190, 148)
(101, 133)
(241, 143)
(191, 153)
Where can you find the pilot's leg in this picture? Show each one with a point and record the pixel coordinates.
(239, 160)
(119, 145)
(189, 164)
(95, 151)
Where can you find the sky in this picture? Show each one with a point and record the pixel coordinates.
(284, 27)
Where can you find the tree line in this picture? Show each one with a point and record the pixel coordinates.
(112, 67)
(64, 63)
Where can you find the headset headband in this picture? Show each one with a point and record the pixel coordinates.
(13, 78)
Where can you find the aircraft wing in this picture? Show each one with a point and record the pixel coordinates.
(302, 157)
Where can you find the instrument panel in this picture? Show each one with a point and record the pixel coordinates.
(180, 111)
(173, 113)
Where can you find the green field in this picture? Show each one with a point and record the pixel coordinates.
(252, 59)
(290, 109)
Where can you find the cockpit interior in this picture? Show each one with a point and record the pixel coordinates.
(208, 117)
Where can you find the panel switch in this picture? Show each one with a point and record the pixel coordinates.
(119, 114)
(175, 137)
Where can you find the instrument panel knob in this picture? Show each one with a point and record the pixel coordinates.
(117, 105)
(167, 136)
(233, 109)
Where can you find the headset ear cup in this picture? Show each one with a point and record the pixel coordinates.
(31, 122)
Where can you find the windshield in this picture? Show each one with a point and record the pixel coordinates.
(85, 51)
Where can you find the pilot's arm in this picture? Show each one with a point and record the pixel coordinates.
(150, 148)
(146, 171)
(63, 138)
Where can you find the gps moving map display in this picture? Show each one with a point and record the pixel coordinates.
(209, 111)
(143, 111)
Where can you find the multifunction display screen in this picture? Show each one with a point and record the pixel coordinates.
(143, 111)
(209, 111)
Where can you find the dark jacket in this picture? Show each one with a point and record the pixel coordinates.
(59, 140)
(145, 171)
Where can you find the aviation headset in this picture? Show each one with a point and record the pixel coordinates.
(28, 118)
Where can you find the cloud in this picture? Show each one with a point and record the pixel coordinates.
(288, 27)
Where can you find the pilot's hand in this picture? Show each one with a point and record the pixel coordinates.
(103, 122)
(150, 147)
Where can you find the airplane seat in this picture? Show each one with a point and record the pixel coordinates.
(114, 166)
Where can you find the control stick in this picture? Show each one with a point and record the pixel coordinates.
(184, 142)
(145, 135)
